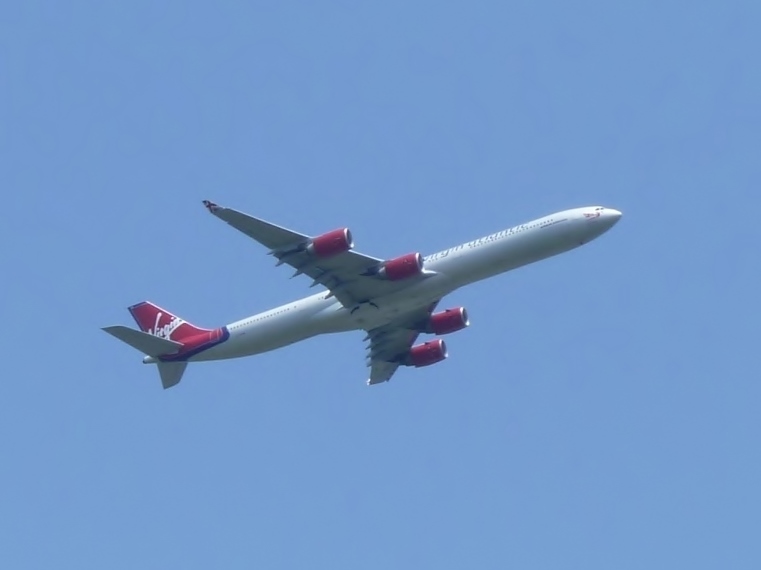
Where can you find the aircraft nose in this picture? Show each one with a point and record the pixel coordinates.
(612, 215)
(600, 220)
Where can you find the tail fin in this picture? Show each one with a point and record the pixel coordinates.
(161, 323)
(162, 333)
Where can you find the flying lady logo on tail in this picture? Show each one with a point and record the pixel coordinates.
(161, 323)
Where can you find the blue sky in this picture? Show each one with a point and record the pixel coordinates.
(602, 411)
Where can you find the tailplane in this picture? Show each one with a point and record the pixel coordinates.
(144, 342)
(161, 334)
(171, 373)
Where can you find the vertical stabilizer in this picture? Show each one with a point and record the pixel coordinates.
(161, 323)
(167, 340)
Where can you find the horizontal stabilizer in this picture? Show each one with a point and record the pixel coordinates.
(144, 342)
(171, 373)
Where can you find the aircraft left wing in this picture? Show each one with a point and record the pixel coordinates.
(389, 343)
(350, 276)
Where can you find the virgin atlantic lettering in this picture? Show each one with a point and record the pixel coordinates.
(166, 330)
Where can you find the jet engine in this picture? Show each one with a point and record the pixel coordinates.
(402, 267)
(448, 321)
(331, 243)
(427, 353)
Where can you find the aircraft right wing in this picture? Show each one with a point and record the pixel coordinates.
(350, 276)
(389, 343)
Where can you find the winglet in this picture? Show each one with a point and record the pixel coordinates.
(211, 206)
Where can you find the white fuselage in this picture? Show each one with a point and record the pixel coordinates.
(453, 267)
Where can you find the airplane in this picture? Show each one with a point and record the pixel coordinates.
(392, 300)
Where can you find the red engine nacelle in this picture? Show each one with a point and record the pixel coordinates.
(448, 321)
(427, 353)
(331, 243)
(402, 267)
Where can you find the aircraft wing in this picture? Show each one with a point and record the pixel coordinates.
(389, 343)
(348, 275)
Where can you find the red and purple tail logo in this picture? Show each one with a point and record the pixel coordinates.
(163, 324)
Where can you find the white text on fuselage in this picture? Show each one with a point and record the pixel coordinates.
(494, 237)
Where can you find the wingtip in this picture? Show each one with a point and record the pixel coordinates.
(211, 206)
(371, 382)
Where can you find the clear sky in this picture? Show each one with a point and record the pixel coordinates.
(601, 412)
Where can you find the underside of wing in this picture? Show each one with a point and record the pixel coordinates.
(350, 276)
(381, 371)
(389, 346)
